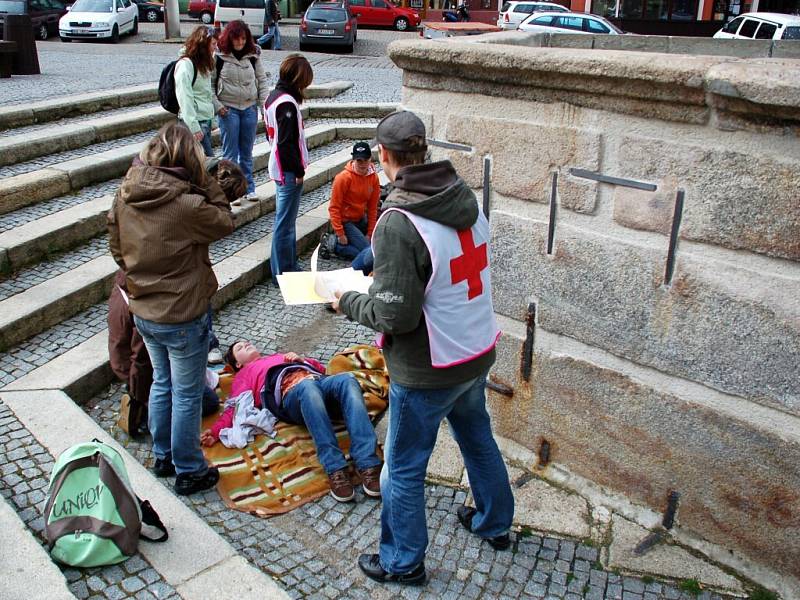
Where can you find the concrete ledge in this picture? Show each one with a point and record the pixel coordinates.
(328, 90)
(30, 188)
(67, 106)
(177, 560)
(24, 561)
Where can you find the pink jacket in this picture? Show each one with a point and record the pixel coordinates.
(252, 377)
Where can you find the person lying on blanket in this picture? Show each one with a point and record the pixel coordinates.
(296, 390)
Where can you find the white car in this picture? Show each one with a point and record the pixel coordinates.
(99, 19)
(249, 11)
(515, 12)
(761, 26)
(571, 22)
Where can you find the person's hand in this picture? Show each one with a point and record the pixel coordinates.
(199, 136)
(207, 438)
(293, 357)
(342, 239)
(223, 112)
(335, 304)
(298, 181)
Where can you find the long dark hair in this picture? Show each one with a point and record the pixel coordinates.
(235, 30)
(198, 49)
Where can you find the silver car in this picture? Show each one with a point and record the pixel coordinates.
(328, 23)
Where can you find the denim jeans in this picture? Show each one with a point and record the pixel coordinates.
(273, 33)
(283, 256)
(178, 352)
(205, 127)
(314, 402)
(356, 239)
(238, 129)
(365, 261)
(414, 418)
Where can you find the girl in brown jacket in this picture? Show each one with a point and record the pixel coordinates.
(164, 216)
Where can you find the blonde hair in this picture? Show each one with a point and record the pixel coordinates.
(175, 146)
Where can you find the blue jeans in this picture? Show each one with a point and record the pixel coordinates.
(283, 256)
(238, 129)
(365, 261)
(205, 127)
(314, 402)
(178, 352)
(356, 239)
(273, 33)
(414, 418)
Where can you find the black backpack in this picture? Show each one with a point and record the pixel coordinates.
(166, 87)
(220, 63)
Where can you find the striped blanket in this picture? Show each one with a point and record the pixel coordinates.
(272, 476)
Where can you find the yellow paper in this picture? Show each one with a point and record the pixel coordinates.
(298, 288)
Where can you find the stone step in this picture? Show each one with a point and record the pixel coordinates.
(28, 243)
(60, 178)
(42, 306)
(45, 111)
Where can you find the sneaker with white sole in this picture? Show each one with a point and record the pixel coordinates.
(215, 357)
(252, 197)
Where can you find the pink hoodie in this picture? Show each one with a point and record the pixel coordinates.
(251, 377)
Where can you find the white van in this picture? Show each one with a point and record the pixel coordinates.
(761, 26)
(249, 11)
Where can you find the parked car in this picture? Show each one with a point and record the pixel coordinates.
(515, 12)
(249, 11)
(383, 13)
(761, 26)
(569, 22)
(151, 11)
(203, 10)
(44, 14)
(328, 24)
(99, 19)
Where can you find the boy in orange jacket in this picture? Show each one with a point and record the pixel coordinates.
(354, 203)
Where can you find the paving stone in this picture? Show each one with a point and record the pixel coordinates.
(614, 591)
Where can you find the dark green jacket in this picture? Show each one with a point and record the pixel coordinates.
(402, 270)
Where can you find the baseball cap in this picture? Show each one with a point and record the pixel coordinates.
(397, 130)
(362, 150)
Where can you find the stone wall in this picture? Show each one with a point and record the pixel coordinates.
(643, 379)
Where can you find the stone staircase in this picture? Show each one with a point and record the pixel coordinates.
(60, 164)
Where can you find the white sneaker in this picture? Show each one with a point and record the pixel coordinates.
(252, 197)
(237, 202)
(215, 357)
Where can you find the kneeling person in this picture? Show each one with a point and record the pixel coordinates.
(297, 391)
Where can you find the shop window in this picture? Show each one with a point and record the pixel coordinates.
(651, 10)
(631, 9)
(605, 8)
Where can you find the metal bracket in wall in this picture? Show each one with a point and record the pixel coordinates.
(677, 215)
(631, 183)
(449, 145)
(527, 347)
(654, 539)
(500, 388)
(487, 186)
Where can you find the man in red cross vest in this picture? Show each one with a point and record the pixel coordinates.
(431, 301)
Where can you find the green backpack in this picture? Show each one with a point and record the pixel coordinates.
(92, 517)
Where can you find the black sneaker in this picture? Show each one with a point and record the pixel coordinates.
(326, 246)
(371, 565)
(164, 467)
(187, 483)
(498, 542)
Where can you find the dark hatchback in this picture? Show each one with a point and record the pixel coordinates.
(328, 24)
(149, 10)
(44, 14)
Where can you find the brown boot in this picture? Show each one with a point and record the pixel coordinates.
(124, 413)
(341, 488)
(371, 481)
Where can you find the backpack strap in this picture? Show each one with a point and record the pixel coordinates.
(218, 64)
(150, 517)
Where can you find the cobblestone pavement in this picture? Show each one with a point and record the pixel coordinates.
(24, 476)
(104, 66)
(312, 551)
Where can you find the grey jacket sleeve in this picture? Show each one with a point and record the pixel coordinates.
(402, 269)
(262, 84)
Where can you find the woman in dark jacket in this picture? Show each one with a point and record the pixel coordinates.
(288, 158)
(165, 214)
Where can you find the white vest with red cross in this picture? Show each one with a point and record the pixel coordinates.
(458, 298)
(275, 168)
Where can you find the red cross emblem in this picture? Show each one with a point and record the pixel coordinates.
(469, 265)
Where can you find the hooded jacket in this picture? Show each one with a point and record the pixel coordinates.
(352, 197)
(242, 82)
(160, 226)
(288, 134)
(402, 271)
